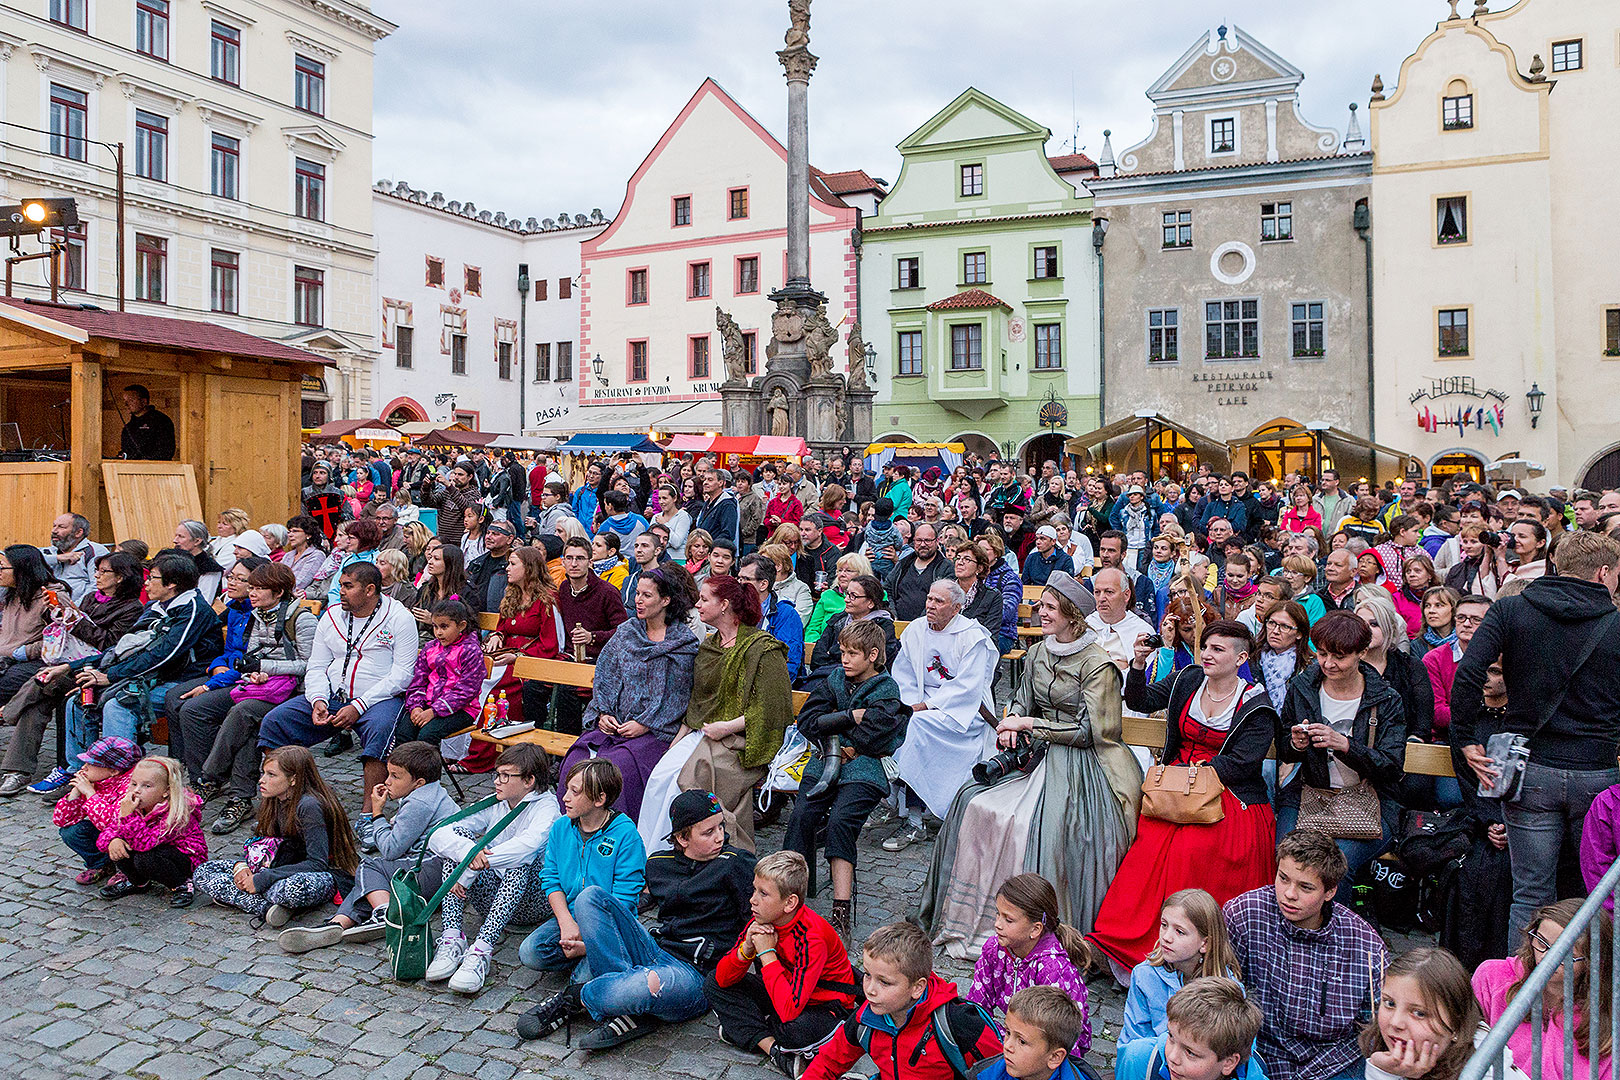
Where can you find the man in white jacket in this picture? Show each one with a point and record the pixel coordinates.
(364, 654)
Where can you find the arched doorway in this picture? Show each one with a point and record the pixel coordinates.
(1043, 448)
(974, 443)
(403, 410)
(1457, 463)
(1275, 458)
(1603, 473)
(1172, 456)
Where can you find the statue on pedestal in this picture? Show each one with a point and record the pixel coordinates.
(819, 339)
(733, 350)
(798, 35)
(777, 411)
(857, 357)
(787, 327)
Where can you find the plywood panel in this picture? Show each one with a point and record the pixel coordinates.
(248, 449)
(32, 493)
(148, 498)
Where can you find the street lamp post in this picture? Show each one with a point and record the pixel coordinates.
(1536, 396)
(523, 346)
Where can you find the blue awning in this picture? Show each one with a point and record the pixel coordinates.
(594, 443)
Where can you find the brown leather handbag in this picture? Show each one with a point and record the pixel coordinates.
(1183, 794)
(1347, 813)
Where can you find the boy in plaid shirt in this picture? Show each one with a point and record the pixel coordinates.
(1312, 965)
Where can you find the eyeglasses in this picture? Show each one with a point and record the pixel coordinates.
(1470, 620)
(1280, 624)
(504, 777)
(1541, 944)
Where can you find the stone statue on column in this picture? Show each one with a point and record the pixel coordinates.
(819, 339)
(857, 357)
(733, 350)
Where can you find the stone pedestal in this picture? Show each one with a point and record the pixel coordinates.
(821, 412)
(859, 432)
(740, 410)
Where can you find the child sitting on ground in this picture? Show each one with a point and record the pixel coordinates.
(414, 769)
(157, 837)
(907, 1008)
(702, 889)
(1032, 947)
(303, 854)
(442, 697)
(1293, 939)
(594, 868)
(92, 801)
(1042, 1023)
(860, 704)
(1192, 944)
(1209, 1035)
(787, 983)
(503, 880)
(1428, 1020)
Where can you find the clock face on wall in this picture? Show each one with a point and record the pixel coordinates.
(1223, 69)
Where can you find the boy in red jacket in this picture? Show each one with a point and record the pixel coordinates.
(803, 986)
(913, 1024)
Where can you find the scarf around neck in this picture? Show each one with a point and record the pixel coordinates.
(1434, 640)
(1241, 592)
(1160, 573)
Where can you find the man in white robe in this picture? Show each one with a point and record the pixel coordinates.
(1115, 625)
(946, 669)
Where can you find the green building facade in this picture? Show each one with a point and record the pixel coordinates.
(979, 287)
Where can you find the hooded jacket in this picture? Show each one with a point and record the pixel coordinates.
(702, 906)
(1144, 1060)
(611, 858)
(1382, 763)
(1539, 634)
(907, 1047)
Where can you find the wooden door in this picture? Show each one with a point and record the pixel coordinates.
(246, 459)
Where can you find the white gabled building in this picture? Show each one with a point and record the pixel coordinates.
(459, 343)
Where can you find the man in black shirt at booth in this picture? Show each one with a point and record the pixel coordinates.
(149, 434)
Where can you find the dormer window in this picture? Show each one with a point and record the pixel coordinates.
(1223, 135)
(1457, 107)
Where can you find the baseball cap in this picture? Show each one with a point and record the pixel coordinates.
(691, 807)
(1047, 531)
(1510, 493)
(113, 753)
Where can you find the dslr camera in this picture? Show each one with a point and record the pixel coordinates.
(1020, 759)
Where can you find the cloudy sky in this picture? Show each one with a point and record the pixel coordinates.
(551, 106)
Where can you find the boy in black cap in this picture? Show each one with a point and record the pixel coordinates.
(702, 889)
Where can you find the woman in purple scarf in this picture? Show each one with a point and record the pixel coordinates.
(642, 684)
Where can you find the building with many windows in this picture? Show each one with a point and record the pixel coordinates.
(461, 340)
(247, 158)
(1498, 307)
(703, 225)
(979, 287)
(1235, 283)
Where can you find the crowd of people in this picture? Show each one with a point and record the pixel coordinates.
(968, 648)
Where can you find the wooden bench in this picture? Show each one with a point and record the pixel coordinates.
(1422, 759)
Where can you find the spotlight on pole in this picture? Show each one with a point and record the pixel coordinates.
(36, 215)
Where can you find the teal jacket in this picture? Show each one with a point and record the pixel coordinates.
(613, 858)
(1144, 1060)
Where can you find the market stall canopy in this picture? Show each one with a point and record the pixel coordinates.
(414, 428)
(633, 443)
(529, 443)
(948, 456)
(1337, 439)
(467, 439)
(746, 445)
(1138, 425)
(1515, 466)
(372, 430)
(688, 416)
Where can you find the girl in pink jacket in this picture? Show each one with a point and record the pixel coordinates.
(157, 838)
(91, 803)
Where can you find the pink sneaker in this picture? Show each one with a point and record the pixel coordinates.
(89, 876)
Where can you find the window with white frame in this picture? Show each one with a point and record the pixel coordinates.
(1232, 329)
(309, 287)
(1048, 346)
(1457, 112)
(1178, 229)
(967, 347)
(1223, 135)
(70, 112)
(909, 352)
(224, 276)
(972, 180)
(1566, 55)
(1163, 335)
(151, 145)
(224, 166)
(1277, 221)
(225, 53)
(975, 268)
(1307, 327)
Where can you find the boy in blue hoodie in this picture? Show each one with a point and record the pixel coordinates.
(1042, 1024)
(594, 856)
(883, 543)
(1211, 1033)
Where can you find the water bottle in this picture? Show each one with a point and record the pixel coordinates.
(488, 717)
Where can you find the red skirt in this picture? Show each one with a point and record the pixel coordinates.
(1232, 856)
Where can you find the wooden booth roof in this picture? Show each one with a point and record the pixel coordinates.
(155, 331)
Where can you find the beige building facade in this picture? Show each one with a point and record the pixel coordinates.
(1234, 278)
(1497, 298)
(247, 129)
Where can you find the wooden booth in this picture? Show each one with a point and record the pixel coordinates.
(234, 400)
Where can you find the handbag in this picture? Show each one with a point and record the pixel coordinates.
(276, 689)
(1347, 813)
(1183, 794)
(59, 646)
(407, 922)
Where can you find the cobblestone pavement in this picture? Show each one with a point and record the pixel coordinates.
(135, 988)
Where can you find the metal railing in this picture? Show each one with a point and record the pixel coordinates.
(1491, 1056)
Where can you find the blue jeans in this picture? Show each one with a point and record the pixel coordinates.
(1358, 853)
(619, 957)
(117, 718)
(1549, 813)
(292, 723)
(80, 837)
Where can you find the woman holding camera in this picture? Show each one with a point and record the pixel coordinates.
(1215, 717)
(1064, 804)
(1477, 574)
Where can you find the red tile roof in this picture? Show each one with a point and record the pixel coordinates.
(1072, 163)
(850, 182)
(189, 334)
(969, 300)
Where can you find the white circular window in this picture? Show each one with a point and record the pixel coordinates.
(1232, 263)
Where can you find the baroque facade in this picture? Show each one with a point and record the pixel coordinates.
(1234, 278)
(247, 134)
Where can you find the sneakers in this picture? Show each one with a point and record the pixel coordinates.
(791, 1065)
(551, 1014)
(12, 784)
(469, 977)
(207, 789)
(618, 1030)
(370, 930)
(909, 834)
(237, 810)
(338, 744)
(119, 886)
(363, 826)
(276, 915)
(447, 956)
(91, 875)
(58, 779)
(302, 939)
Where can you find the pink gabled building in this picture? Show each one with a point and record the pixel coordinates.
(703, 225)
